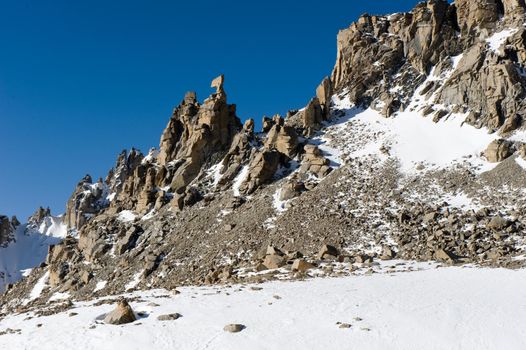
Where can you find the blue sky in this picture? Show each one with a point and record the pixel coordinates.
(82, 80)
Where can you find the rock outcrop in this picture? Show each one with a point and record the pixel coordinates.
(241, 150)
(196, 134)
(484, 82)
(202, 208)
(498, 150)
(88, 199)
(6, 230)
(282, 138)
(314, 162)
(261, 170)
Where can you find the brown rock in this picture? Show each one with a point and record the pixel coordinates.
(168, 317)
(445, 256)
(234, 328)
(328, 252)
(498, 150)
(301, 265)
(274, 261)
(122, 314)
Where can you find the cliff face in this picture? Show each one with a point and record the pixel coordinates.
(221, 202)
(475, 49)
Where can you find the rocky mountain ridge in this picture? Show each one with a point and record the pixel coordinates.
(219, 202)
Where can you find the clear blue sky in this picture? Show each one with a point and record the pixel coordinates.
(82, 80)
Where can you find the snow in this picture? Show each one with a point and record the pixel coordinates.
(29, 248)
(100, 286)
(445, 308)
(52, 226)
(149, 215)
(215, 173)
(456, 60)
(416, 139)
(462, 201)
(38, 287)
(333, 154)
(240, 178)
(521, 162)
(277, 203)
(151, 156)
(135, 281)
(59, 296)
(496, 40)
(126, 216)
(412, 138)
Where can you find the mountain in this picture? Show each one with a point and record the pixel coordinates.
(414, 149)
(27, 245)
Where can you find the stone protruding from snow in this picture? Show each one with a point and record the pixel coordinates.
(169, 317)
(233, 328)
(122, 314)
(445, 256)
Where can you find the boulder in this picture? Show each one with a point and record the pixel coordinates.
(169, 317)
(261, 170)
(282, 138)
(301, 265)
(271, 250)
(313, 114)
(445, 256)
(233, 328)
(314, 162)
(387, 253)
(498, 223)
(274, 261)
(218, 83)
(498, 150)
(122, 314)
(328, 252)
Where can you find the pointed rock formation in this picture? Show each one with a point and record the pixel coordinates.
(88, 199)
(282, 138)
(6, 230)
(241, 151)
(196, 134)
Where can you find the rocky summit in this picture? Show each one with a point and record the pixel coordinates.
(414, 149)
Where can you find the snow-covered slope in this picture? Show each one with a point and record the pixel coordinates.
(415, 140)
(29, 248)
(446, 308)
